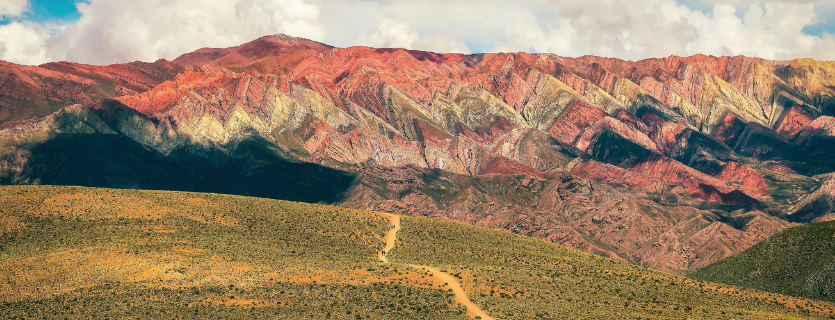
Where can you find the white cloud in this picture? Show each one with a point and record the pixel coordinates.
(13, 8)
(771, 30)
(111, 31)
(758, 1)
(443, 43)
(623, 28)
(627, 28)
(390, 34)
(22, 44)
(394, 34)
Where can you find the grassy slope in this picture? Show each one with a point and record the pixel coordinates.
(101, 253)
(799, 261)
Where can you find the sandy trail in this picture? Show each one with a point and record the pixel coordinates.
(460, 296)
(391, 235)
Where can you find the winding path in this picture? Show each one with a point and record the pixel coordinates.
(460, 296)
(391, 235)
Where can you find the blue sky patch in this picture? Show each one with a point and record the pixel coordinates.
(818, 29)
(49, 11)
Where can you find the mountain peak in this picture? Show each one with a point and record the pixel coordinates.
(289, 40)
(273, 53)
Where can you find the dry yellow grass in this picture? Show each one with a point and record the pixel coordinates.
(95, 253)
(10, 224)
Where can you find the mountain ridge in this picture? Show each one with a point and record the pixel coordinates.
(709, 153)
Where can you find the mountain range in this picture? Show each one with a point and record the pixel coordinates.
(670, 163)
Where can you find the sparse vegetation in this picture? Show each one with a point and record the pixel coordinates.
(799, 261)
(516, 277)
(102, 253)
(72, 252)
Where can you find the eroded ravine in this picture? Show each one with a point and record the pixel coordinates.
(452, 283)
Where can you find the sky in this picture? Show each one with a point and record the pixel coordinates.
(117, 31)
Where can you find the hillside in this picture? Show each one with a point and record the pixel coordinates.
(670, 163)
(28, 92)
(74, 252)
(799, 261)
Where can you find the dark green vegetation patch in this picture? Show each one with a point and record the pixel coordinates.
(799, 261)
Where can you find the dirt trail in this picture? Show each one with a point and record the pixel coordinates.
(391, 235)
(460, 296)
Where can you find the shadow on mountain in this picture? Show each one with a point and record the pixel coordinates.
(613, 148)
(254, 168)
(703, 152)
(756, 141)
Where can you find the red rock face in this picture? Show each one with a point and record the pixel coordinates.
(748, 180)
(795, 119)
(510, 167)
(697, 183)
(569, 127)
(36, 91)
(820, 127)
(610, 174)
(729, 128)
(678, 132)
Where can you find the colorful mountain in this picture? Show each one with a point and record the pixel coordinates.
(28, 92)
(670, 163)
